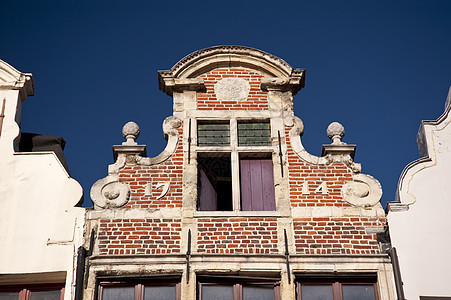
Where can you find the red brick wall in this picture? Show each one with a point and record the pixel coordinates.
(237, 235)
(336, 235)
(137, 177)
(299, 171)
(257, 99)
(139, 236)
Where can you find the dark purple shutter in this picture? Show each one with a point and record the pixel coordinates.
(257, 185)
(208, 197)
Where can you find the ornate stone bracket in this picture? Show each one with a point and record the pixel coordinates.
(169, 85)
(363, 191)
(293, 83)
(171, 134)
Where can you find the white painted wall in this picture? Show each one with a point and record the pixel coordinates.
(422, 234)
(40, 229)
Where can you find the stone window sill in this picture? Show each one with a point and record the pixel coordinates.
(237, 214)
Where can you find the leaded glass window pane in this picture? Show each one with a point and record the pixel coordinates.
(213, 134)
(254, 134)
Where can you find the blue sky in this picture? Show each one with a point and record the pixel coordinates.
(378, 67)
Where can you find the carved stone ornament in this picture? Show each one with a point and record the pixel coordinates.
(335, 131)
(363, 191)
(130, 132)
(171, 134)
(232, 89)
(108, 192)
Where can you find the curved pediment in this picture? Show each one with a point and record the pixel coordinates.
(10, 78)
(187, 71)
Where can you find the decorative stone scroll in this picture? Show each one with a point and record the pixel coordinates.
(171, 134)
(363, 191)
(108, 192)
(297, 129)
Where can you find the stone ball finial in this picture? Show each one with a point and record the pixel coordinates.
(130, 132)
(335, 131)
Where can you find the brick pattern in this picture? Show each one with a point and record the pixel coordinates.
(237, 235)
(139, 236)
(257, 99)
(137, 177)
(336, 235)
(335, 175)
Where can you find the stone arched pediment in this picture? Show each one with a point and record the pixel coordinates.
(187, 71)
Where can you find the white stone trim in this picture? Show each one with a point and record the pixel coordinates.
(236, 213)
(335, 211)
(12, 79)
(190, 65)
(135, 213)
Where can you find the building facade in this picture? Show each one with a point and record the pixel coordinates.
(40, 223)
(423, 194)
(235, 207)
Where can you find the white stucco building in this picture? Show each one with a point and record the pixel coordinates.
(419, 222)
(40, 225)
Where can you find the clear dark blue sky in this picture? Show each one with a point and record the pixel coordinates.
(378, 67)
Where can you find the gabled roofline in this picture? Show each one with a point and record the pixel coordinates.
(191, 66)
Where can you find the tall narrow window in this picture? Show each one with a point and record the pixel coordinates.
(214, 183)
(235, 168)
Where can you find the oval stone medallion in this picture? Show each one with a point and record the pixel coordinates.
(232, 89)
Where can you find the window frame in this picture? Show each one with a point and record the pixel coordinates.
(237, 284)
(337, 282)
(25, 290)
(139, 284)
(236, 153)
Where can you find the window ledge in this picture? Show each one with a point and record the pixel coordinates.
(237, 214)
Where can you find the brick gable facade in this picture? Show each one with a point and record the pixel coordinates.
(147, 216)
